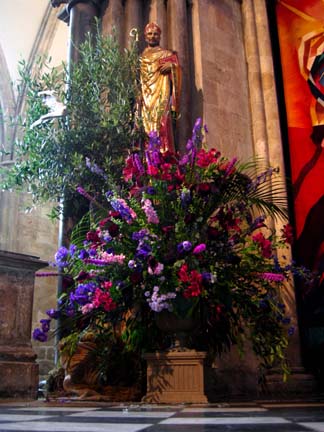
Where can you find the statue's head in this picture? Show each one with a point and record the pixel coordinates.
(152, 33)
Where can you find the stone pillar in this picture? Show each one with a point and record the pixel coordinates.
(178, 40)
(113, 18)
(268, 143)
(18, 368)
(133, 18)
(81, 20)
(158, 15)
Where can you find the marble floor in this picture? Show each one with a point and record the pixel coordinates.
(67, 417)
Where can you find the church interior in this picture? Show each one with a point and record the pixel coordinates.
(252, 70)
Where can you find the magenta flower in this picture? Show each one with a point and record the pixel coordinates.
(199, 249)
(273, 277)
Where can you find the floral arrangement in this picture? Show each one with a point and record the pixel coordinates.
(186, 235)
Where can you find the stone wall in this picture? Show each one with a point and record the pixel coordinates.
(220, 91)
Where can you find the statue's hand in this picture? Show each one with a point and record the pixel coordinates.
(166, 68)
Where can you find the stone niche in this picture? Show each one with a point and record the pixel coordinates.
(18, 367)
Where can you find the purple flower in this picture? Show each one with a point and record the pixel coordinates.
(184, 160)
(61, 256)
(286, 320)
(138, 163)
(185, 198)
(83, 254)
(154, 140)
(230, 166)
(140, 235)
(122, 208)
(39, 335)
(206, 277)
(189, 145)
(84, 193)
(83, 293)
(199, 249)
(72, 249)
(143, 251)
(184, 246)
(131, 264)
(93, 167)
(291, 331)
(150, 190)
(53, 313)
(109, 194)
(45, 325)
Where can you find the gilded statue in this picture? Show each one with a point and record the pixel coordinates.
(160, 87)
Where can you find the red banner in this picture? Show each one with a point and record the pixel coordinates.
(301, 39)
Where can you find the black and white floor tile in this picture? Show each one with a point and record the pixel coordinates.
(150, 418)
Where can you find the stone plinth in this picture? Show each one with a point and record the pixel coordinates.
(18, 368)
(175, 377)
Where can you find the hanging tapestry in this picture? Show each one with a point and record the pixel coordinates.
(301, 40)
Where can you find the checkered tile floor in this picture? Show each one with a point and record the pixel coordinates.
(149, 418)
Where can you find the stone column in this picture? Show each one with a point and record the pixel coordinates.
(133, 18)
(81, 20)
(158, 15)
(178, 41)
(268, 143)
(113, 18)
(18, 368)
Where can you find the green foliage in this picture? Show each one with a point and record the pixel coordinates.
(99, 94)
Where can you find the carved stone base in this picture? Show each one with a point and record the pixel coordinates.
(175, 377)
(19, 380)
(298, 384)
(18, 367)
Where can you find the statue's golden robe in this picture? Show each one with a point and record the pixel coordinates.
(160, 93)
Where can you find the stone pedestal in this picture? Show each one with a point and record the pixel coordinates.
(18, 367)
(175, 377)
(299, 385)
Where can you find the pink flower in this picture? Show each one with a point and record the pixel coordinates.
(113, 259)
(149, 211)
(156, 270)
(87, 308)
(273, 277)
(199, 249)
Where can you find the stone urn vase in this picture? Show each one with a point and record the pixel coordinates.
(178, 327)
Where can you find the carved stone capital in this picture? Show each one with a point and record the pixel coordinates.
(57, 3)
(95, 3)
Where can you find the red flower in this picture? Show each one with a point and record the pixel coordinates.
(204, 159)
(194, 289)
(165, 172)
(103, 299)
(113, 229)
(107, 285)
(265, 244)
(288, 234)
(194, 279)
(152, 170)
(203, 188)
(212, 233)
(136, 277)
(93, 236)
(183, 273)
